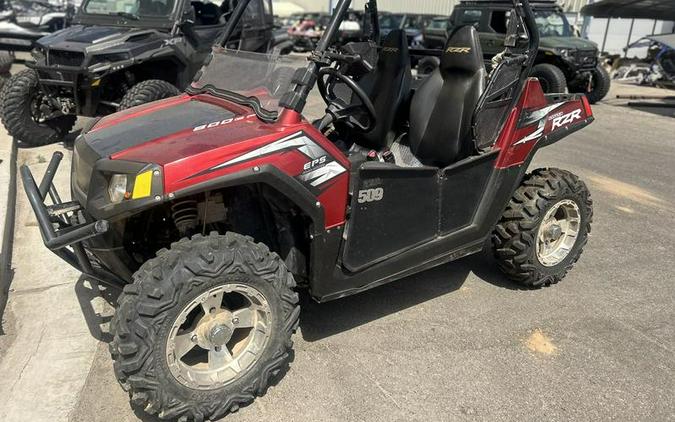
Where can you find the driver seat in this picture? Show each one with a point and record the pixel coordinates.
(442, 109)
(388, 88)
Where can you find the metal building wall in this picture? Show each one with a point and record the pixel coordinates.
(440, 7)
(443, 7)
(419, 6)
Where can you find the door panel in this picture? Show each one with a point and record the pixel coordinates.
(393, 209)
(462, 188)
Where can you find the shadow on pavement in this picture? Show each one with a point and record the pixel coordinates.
(318, 321)
(68, 141)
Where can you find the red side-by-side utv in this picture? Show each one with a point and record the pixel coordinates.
(215, 207)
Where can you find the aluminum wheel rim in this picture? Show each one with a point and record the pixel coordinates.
(219, 336)
(558, 233)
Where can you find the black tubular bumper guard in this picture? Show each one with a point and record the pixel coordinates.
(58, 230)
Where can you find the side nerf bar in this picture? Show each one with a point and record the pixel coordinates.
(69, 233)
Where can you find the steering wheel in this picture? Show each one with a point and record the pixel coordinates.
(338, 108)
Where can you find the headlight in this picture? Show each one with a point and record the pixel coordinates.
(117, 189)
(109, 58)
(565, 52)
(128, 187)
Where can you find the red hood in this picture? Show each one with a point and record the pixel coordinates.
(200, 138)
(170, 130)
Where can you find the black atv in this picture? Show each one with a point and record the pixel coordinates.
(22, 22)
(564, 60)
(117, 56)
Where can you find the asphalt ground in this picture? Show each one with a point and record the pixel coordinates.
(458, 342)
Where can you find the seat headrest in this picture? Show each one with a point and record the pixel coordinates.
(394, 49)
(463, 50)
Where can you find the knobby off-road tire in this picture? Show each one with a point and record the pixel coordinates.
(551, 78)
(601, 84)
(147, 92)
(18, 96)
(516, 235)
(6, 61)
(4, 77)
(162, 289)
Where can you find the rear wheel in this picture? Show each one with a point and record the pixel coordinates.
(29, 115)
(204, 327)
(544, 229)
(551, 78)
(147, 92)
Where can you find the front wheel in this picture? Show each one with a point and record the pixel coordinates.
(147, 92)
(204, 327)
(600, 84)
(29, 115)
(551, 78)
(544, 228)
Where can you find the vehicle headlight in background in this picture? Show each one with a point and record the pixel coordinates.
(38, 54)
(565, 52)
(109, 58)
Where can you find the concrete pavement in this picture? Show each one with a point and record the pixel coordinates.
(454, 343)
(49, 347)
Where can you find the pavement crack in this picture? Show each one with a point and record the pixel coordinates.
(384, 393)
(38, 289)
(30, 357)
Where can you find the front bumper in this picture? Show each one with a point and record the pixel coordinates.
(73, 81)
(63, 226)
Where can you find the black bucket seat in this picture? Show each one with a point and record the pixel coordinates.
(442, 108)
(388, 88)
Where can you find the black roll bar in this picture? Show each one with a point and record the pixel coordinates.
(532, 31)
(232, 23)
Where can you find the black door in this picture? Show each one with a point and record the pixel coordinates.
(393, 209)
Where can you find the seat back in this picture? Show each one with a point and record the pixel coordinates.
(442, 108)
(388, 88)
(206, 13)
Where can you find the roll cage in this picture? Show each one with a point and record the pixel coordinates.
(523, 35)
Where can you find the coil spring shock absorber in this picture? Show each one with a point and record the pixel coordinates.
(185, 216)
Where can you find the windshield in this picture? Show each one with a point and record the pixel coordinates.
(417, 22)
(390, 21)
(130, 8)
(439, 24)
(252, 79)
(552, 24)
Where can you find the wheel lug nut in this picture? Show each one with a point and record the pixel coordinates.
(194, 338)
(235, 320)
